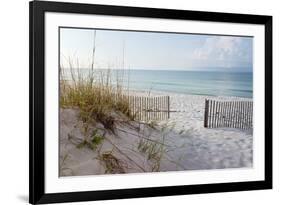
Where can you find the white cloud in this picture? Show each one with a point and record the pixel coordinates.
(224, 51)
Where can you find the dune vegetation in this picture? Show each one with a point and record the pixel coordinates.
(100, 100)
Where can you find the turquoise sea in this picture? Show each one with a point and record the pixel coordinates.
(213, 83)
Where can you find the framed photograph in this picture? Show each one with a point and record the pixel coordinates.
(141, 102)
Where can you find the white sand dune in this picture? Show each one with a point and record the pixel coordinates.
(188, 145)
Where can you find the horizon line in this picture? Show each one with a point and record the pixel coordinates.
(163, 69)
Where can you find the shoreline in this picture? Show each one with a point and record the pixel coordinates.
(155, 93)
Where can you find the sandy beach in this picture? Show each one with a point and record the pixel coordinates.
(179, 143)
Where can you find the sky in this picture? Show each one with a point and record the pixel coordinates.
(155, 51)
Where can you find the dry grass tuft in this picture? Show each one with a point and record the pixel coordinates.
(153, 150)
(96, 97)
(112, 164)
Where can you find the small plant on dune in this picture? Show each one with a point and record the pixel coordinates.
(157, 158)
(112, 164)
(152, 124)
(154, 151)
(143, 145)
(92, 142)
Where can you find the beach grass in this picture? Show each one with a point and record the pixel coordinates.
(113, 165)
(154, 151)
(95, 95)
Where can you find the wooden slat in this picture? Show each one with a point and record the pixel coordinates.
(211, 114)
(243, 115)
(157, 106)
(213, 106)
(217, 115)
(139, 107)
(206, 113)
(240, 114)
(146, 109)
(161, 107)
(247, 115)
(153, 103)
(133, 105)
(150, 107)
(251, 116)
(168, 105)
(236, 114)
(227, 106)
(220, 114)
(224, 112)
(230, 120)
(232, 115)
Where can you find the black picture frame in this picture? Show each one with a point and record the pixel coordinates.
(37, 11)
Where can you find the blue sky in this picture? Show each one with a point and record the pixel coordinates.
(159, 51)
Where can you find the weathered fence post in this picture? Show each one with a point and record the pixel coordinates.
(206, 113)
(168, 107)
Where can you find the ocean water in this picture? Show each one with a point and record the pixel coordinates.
(238, 84)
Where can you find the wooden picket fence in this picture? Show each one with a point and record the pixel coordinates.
(149, 108)
(235, 114)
